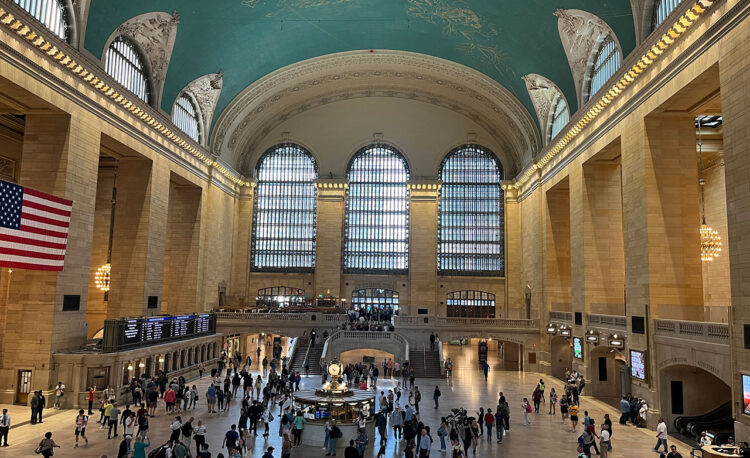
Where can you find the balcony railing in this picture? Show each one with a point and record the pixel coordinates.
(694, 330)
(608, 321)
(561, 316)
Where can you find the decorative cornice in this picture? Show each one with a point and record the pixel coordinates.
(281, 94)
(332, 189)
(87, 72)
(631, 69)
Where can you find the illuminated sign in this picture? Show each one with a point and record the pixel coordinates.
(577, 348)
(638, 365)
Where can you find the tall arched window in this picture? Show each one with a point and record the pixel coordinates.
(370, 299)
(560, 116)
(124, 63)
(185, 117)
(377, 212)
(470, 304)
(607, 62)
(52, 13)
(662, 9)
(284, 211)
(471, 216)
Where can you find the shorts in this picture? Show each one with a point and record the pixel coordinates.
(574, 418)
(152, 404)
(170, 404)
(81, 431)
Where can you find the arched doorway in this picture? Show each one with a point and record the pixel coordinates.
(688, 391)
(609, 377)
(561, 354)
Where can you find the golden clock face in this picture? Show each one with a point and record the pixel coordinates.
(334, 369)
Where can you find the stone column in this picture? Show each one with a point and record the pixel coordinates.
(329, 243)
(182, 257)
(60, 157)
(139, 237)
(241, 244)
(423, 214)
(513, 266)
(733, 68)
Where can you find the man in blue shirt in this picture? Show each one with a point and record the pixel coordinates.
(408, 413)
(424, 445)
(230, 439)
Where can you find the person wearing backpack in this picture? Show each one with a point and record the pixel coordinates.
(81, 422)
(333, 439)
(526, 411)
(436, 396)
(142, 427)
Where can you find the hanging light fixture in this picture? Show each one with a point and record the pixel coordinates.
(710, 239)
(103, 273)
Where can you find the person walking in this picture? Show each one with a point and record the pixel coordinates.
(624, 410)
(298, 424)
(604, 439)
(442, 432)
(425, 443)
(4, 427)
(34, 405)
(114, 413)
(81, 422)
(47, 446)
(436, 396)
(486, 370)
(199, 436)
(489, 421)
(397, 422)
(526, 411)
(552, 401)
(362, 441)
(499, 424)
(661, 436)
(417, 398)
(540, 387)
(231, 439)
(573, 416)
(286, 447)
(564, 407)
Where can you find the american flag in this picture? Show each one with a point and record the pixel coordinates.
(33, 228)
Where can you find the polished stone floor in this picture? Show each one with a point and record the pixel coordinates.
(546, 437)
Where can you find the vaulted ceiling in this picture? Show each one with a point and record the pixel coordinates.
(247, 39)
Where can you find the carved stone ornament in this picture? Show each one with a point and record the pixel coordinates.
(543, 93)
(155, 34)
(206, 91)
(383, 73)
(580, 33)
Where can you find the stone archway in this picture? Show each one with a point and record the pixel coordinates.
(686, 390)
(607, 366)
(561, 356)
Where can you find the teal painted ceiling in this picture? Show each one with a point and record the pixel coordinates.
(248, 39)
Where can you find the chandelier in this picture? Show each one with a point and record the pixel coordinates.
(101, 278)
(710, 239)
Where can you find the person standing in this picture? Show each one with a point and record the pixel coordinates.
(526, 411)
(81, 422)
(540, 386)
(351, 451)
(333, 440)
(499, 424)
(661, 436)
(442, 432)
(297, 425)
(176, 429)
(91, 399)
(362, 441)
(139, 448)
(417, 398)
(624, 410)
(604, 439)
(199, 436)
(114, 413)
(286, 447)
(34, 404)
(432, 341)
(4, 427)
(59, 393)
(436, 396)
(42, 405)
(424, 445)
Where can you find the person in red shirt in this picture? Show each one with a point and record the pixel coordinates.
(489, 421)
(91, 399)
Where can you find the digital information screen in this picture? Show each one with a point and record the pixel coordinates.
(142, 332)
(746, 394)
(577, 348)
(638, 365)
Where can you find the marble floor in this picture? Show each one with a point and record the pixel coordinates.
(546, 437)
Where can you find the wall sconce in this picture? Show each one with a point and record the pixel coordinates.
(565, 331)
(617, 341)
(130, 367)
(141, 365)
(161, 359)
(592, 337)
(552, 329)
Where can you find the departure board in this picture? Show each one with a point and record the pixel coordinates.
(127, 333)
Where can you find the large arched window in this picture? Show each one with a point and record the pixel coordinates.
(560, 116)
(377, 212)
(662, 9)
(371, 299)
(607, 62)
(185, 117)
(471, 220)
(284, 211)
(124, 63)
(52, 13)
(470, 304)
(280, 297)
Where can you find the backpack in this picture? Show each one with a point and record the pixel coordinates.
(336, 432)
(528, 408)
(160, 452)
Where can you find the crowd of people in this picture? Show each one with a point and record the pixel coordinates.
(267, 395)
